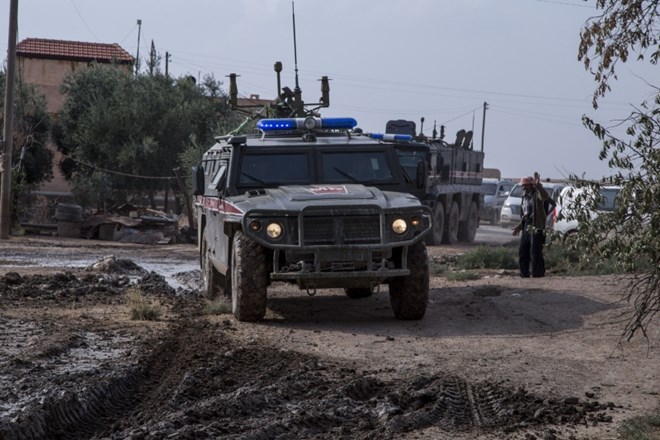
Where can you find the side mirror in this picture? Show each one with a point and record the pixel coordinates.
(198, 180)
(422, 171)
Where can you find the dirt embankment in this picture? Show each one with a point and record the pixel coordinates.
(495, 358)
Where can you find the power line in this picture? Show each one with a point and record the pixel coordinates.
(556, 2)
(119, 173)
(83, 20)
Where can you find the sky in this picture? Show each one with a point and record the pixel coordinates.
(386, 59)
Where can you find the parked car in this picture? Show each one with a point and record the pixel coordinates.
(495, 193)
(510, 213)
(566, 205)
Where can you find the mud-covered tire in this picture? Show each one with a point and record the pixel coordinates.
(214, 281)
(438, 230)
(248, 279)
(409, 295)
(452, 224)
(358, 292)
(468, 229)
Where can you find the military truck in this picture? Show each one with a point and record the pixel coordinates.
(308, 201)
(452, 189)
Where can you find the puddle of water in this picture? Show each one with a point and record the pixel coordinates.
(167, 269)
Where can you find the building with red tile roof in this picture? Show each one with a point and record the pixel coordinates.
(45, 63)
(73, 51)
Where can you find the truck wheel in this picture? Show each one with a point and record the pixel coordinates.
(438, 230)
(409, 295)
(451, 228)
(213, 281)
(468, 229)
(357, 292)
(248, 280)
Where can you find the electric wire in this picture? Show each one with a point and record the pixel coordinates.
(119, 173)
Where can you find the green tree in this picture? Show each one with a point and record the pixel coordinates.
(114, 126)
(31, 158)
(630, 234)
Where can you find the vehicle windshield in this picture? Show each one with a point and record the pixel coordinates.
(267, 170)
(607, 201)
(490, 188)
(367, 167)
(517, 191)
(409, 161)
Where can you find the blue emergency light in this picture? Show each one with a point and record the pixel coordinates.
(309, 123)
(390, 137)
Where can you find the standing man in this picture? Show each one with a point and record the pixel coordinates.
(532, 225)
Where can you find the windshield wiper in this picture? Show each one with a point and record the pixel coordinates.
(256, 179)
(406, 176)
(345, 174)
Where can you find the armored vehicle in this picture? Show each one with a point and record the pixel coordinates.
(453, 186)
(310, 202)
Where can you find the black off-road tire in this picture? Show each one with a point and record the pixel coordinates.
(358, 292)
(409, 296)
(438, 230)
(468, 230)
(214, 281)
(248, 279)
(452, 225)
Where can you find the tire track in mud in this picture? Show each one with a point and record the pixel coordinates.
(197, 382)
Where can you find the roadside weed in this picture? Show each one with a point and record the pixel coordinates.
(646, 427)
(141, 309)
(218, 306)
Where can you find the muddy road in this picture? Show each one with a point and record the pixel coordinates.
(500, 357)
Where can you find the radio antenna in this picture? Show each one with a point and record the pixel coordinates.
(297, 92)
(295, 49)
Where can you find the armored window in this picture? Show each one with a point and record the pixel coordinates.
(270, 170)
(356, 167)
(409, 161)
(217, 178)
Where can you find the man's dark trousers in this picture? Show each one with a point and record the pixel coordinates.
(531, 250)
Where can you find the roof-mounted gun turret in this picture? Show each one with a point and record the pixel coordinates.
(289, 103)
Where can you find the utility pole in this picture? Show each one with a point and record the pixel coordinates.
(5, 163)
(167, 64)
(483, 126)
(137, 56)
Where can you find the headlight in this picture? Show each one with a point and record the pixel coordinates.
(399, 226)
(274, 230)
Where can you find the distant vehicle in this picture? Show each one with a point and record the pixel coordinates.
(495, 193)
(452, 188)
(566, 207)
(510, 212)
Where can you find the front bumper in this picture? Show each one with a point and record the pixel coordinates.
(342, 246)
